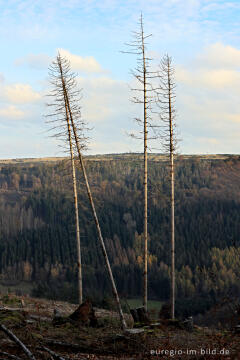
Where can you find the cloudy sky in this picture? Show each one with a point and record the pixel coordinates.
(202, 36)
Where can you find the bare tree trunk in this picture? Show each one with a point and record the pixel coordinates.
(165, 101)
(58, 70)
(172, 196)
(172, 241)
(124, 325)
(144, 76)
(145, 182)
(145, 296)
(79, 265)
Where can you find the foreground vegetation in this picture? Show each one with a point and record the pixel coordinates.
(31, 320)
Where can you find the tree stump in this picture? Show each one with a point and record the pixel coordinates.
(188, 323)
(140, 315)
(165, 312)
(85, 314)
(134, 315)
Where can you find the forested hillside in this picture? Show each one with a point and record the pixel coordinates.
(37, 237)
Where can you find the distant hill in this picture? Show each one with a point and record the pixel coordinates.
(37, 240)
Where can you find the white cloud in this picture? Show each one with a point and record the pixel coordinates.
(218, 67)
(219, 55)
(218, 79)
(104, 99)
(233, 117)
(208, 91)
(36, 61)
(11, 112)
(20, 93)
(86, 64)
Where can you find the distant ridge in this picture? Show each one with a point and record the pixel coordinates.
(118, 156)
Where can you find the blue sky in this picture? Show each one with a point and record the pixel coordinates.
(202, 36)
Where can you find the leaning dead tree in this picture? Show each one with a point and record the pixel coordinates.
(143, 96)
(68, 85)
(165, 101)
(62, 127)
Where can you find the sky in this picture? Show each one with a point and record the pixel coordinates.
(201, 36)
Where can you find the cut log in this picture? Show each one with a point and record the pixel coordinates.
(67, 345)
(134, 331)
(14, 338)
(54, 355)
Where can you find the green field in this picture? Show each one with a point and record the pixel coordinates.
(152, 304)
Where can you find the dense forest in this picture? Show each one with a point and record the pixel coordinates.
(37, 236)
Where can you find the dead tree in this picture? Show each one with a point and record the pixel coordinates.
(165, 101)
(143, 96)
(62, 126)
(69, 85)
